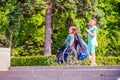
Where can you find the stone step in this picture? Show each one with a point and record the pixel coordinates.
(63, 67)
(61, 73)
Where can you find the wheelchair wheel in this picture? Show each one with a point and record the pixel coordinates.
(59, 60)
(68, 57)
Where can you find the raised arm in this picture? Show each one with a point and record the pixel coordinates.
(93, 34)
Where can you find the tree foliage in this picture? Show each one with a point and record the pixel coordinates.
(25, 21)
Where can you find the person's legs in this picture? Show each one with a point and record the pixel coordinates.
(91, 50)
(75, 54)
(93, 59)
(74, 51)
(89, 57)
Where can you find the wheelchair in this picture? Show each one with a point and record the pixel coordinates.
(66, 56)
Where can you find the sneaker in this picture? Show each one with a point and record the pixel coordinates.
(93, 64)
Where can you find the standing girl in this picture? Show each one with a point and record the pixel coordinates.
(92, 40)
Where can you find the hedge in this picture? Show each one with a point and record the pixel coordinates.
(49, 61)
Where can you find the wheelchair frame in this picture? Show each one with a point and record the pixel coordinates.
(70, 59)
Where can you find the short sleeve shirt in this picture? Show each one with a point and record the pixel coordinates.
(69, 37)
(92, 39)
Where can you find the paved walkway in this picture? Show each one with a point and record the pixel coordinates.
(61, 73)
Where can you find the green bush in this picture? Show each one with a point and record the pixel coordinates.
(103, 42)
(114, 46)
(49, 61)
(33, 61)
(108, 60)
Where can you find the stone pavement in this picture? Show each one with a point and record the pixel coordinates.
(61, 73)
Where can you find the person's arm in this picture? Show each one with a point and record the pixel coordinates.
(93, 34)
(85, 34)
(71, 42)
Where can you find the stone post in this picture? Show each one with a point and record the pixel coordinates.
(5, 59)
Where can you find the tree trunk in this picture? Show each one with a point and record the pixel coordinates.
(10, 41)
(47, 42)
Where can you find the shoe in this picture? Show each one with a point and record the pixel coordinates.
(93, 64)
(70, 63)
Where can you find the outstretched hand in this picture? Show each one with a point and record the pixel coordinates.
(86, 29)
(85, 34)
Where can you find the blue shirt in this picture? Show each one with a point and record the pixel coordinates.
(70, 36)
(92, 39)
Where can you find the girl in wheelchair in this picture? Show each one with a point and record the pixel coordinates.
(70, 42)
(68, 54)
(75, 49)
